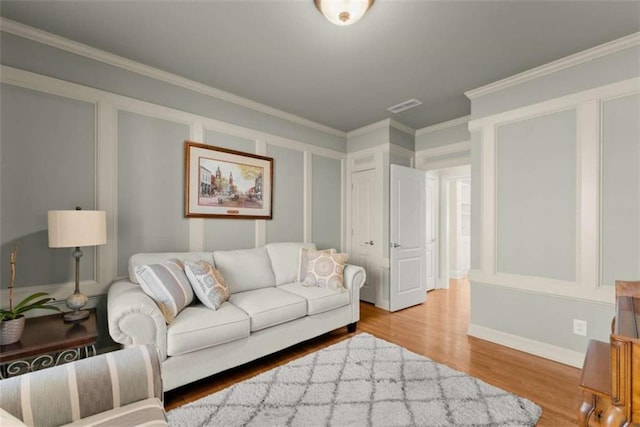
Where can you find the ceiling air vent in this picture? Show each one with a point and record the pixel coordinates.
(404, 106)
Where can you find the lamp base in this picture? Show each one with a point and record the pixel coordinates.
(74, 316)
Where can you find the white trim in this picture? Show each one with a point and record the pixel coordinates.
(399, 151)
(458, 147)
(40, 36)
(443, 125)
(382, 148)
(588, 194)
(621, 88)
(344, 194)
(261, 224)
(561, 64)
(488, 194)
(106, 256)
(545, 286)
(308, 198)
(59, 291)
(382, 124)
(538, 348)
(402, 127)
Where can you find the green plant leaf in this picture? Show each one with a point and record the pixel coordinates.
(28, 299)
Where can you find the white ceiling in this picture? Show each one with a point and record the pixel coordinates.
(286, 55)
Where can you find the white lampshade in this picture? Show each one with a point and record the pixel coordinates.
(343, 12)
(69, 229)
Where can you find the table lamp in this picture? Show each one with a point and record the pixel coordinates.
(76, 228)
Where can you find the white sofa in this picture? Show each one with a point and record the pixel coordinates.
(268, 310)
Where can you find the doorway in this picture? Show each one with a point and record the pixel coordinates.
(454, 224)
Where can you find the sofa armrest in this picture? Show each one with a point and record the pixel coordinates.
(134, 318)
(70, 392)
(354, 277)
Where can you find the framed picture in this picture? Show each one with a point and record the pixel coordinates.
(223, 183)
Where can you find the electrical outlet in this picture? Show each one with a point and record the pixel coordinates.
(580, 327)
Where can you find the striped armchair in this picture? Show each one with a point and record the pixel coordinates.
(122, 388)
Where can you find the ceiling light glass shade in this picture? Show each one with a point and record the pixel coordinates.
(343, 12)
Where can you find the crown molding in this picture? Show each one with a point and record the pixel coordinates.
(443, 125)
(402, 127)
(62, 43)
(369, 128)
(558, 65)
(443, 150)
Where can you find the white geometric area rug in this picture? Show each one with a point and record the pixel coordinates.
(362, 381)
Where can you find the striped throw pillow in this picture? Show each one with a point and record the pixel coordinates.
(168, 285)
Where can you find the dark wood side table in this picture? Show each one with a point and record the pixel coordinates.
(48, 341)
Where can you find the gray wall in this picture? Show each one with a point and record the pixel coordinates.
(537, 181)
(621, 189)
(48, 158)
(287, 224)
(327, 199)
(150, 177)
(536, 202)
(47, 153)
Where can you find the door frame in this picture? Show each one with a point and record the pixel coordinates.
(446, 176)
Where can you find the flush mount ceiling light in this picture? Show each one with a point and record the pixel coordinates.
(343, 12)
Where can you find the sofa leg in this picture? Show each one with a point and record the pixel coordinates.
(351, 327)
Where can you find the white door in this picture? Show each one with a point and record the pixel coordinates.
(363, 224)
(407, 237)
(432, 232)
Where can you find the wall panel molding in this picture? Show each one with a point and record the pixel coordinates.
(587, 104)
(108, 105)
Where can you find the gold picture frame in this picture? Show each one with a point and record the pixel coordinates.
(224, 183)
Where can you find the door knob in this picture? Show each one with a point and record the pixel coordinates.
(370, 242)
(395, 245)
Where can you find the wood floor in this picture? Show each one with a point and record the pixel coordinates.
(436, 329)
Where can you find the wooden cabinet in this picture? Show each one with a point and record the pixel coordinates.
(610, 381)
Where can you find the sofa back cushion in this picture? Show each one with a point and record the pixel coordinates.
(138, 260)
(285, 260)
(245, 269)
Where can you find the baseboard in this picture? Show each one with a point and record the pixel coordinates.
(548, 351)
(383, 304)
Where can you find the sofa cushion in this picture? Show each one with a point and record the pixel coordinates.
(148, 412)
(207, 282)
(285, 260)
(304, 262)
(318, 299)
(167, 284)
(246, 269)
(144, 258)
(198, 327)
(269, 306)
(325, 269)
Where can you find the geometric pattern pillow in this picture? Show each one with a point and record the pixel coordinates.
(303, 261)
(208, 283)
(167, 285)
(325, 269)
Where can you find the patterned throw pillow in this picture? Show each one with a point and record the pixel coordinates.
(207, 283)
(325, 269)
(304, 261)
(167, 285)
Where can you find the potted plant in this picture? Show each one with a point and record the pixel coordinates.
(12, 319)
